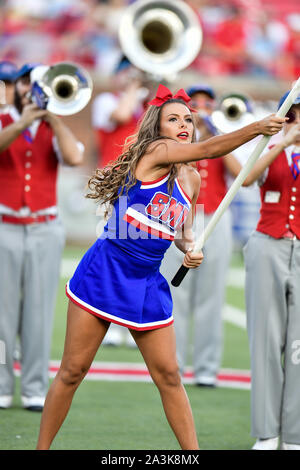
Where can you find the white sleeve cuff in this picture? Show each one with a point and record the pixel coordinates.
(103, 107)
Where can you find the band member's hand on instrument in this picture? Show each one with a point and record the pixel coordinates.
(127, 103)
(292, 136)
(193, 260)
(30, 113)
(270, 125)
(9, 133)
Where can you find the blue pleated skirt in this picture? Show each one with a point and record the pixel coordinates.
(122, 288)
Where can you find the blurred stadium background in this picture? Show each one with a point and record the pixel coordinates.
(250, 47)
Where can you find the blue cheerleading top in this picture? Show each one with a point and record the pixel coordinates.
(118, 279)
(149, 213)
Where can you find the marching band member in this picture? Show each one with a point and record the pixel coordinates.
(272, 259)
(115, 114)
(32, 144)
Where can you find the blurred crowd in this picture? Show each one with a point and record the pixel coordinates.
(257, 37)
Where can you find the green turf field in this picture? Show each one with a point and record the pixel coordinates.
(128, 415)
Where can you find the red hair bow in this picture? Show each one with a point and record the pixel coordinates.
(163, 95)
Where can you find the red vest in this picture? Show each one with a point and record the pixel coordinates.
(213, 183)
(111, 143)
(276, 218)
(28, 171)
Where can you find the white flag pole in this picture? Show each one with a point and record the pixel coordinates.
(237, 183)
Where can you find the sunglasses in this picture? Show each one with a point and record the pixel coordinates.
(291, 115)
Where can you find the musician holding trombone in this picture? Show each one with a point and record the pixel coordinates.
(33, 141)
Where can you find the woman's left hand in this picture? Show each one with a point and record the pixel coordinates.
(193, 260)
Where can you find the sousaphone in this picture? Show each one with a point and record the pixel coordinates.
(160, 37)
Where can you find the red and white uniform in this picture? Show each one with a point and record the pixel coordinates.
(28, 170)
(31, 243)
(280, 199)
(272, 260)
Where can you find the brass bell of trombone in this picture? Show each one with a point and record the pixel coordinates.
(160, 37)
(63, 88)
(234, 111)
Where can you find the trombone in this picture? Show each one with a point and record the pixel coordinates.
(234, 111)
(62, 89)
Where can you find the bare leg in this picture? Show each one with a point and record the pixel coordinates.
(84, 335)
(159, 351)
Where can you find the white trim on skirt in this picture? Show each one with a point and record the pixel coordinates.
(114, 319)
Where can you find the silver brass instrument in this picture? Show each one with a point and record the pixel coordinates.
(234, 111)
(233, 108)
(63, 88)
(160, 37)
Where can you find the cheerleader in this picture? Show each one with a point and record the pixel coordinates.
(150, 191)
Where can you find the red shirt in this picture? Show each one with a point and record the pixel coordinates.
(28, 171)
(280, 196)
(213, 183)
(111, 143)
(231, 35)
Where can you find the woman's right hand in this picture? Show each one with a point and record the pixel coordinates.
(270, 125)
(193, 260)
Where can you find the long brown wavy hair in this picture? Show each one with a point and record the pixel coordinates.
(110, 182)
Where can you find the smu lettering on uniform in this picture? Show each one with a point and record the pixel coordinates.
(167, 210)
